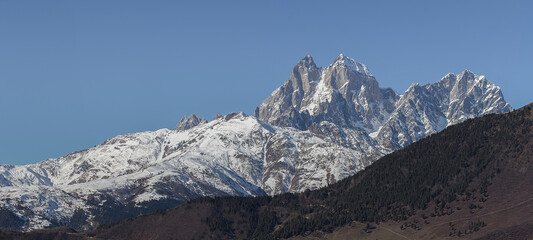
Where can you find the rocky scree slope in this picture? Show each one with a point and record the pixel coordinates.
(320, 126)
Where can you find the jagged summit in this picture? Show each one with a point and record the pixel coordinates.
(190, 122)
(236, 115)
(342, 95)
(350, 64)
(467, 72)
(427, 109)
(217, 116)
(339, 93)
(307, 62)
(341, 56)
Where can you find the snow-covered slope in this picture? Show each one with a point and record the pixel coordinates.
(234, 155)
(322, 125)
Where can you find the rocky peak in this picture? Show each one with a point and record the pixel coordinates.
(217, 116)
(447, 81)
(414, 89)
(307, 62)
(344, 93)
(235, 115)
(190, 122)
(303, 76)
(428, 109)
(467, 75)
(464, 82)
(350, 64)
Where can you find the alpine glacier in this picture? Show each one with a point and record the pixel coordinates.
(321, 125)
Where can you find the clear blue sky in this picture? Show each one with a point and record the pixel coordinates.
(75, 73)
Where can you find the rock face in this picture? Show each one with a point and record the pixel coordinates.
(344, 93)
(320, 126)
(428, 109)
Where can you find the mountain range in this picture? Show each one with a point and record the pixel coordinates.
(321, 126)
(470, 181)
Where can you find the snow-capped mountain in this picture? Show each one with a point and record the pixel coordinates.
(344, 93)
(321, 125)
(428, 109)
(347, 94)
(234, 155)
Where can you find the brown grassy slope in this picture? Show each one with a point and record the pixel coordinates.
(183, 224)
